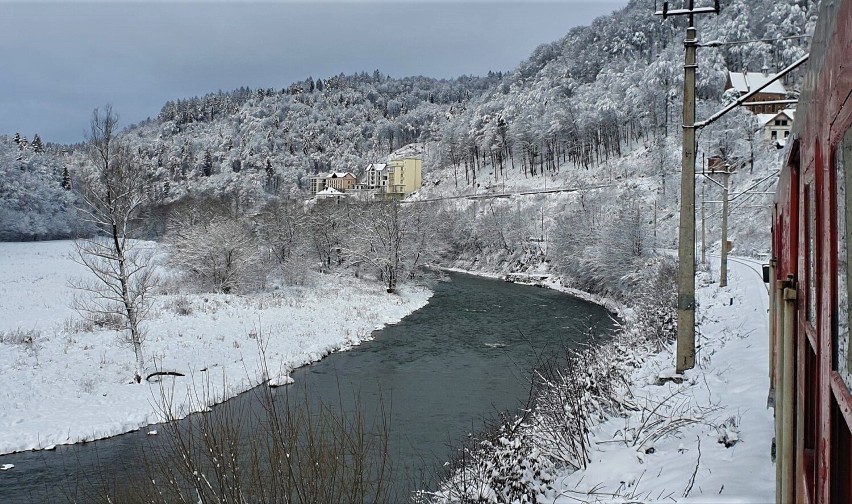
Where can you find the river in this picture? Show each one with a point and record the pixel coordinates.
(440, 372)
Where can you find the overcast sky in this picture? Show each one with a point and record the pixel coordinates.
(60, 60)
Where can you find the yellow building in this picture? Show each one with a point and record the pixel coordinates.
(404, 176)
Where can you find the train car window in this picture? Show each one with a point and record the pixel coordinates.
(843, 175)
(810, 219)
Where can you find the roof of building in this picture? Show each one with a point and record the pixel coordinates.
(330, 191)
(340, 174)
(744, 82)
(765, 118)
(377, 166)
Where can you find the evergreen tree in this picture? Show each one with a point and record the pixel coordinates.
(21, 141)
(37, 144)
(270, 172)
(66, 179)
(271, 178)
(207, 167)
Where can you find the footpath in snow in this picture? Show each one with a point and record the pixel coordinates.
(707, 439)
(62, 381)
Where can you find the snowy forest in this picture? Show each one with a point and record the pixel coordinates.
(582, 100)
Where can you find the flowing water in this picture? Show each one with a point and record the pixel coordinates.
(440, 373)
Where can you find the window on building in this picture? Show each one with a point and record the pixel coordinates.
(843, 174)
(774, 135)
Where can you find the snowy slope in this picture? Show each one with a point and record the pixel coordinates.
(724, 397)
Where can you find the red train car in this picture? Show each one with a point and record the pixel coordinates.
(811, 356)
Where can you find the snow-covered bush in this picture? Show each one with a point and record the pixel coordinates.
(20, 336)
(497, 466)
(221, 254)
(655, 303)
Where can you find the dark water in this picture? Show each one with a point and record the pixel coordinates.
(440, 373)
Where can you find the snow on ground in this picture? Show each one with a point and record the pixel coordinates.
(62, 382)
(674, 448)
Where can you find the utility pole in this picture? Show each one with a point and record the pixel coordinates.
(686, 239)
(703, 230)
(723, 268)
(685, 357)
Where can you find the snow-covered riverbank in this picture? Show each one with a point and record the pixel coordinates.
(704, 436)
(707, 439)
(62, 382)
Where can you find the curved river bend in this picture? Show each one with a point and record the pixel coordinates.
(440, 372)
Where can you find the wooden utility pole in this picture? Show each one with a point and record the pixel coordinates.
(723, 268)
(685, 357)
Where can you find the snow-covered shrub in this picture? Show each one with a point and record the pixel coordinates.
(601, 242)
(182, 305)
(222, 255)
(497, 466)
(20, 336)
(216, 250)
(655, 302)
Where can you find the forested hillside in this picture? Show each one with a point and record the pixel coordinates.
(587, 99)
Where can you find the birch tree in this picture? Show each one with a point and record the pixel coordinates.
(112, 190)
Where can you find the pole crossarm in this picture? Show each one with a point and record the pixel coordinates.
(690, 11)
(711, 179)
(680, 12)
(751, 93)
(719, 43)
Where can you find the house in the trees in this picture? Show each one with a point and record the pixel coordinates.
(341, 181)
(395, 179)
(745, 82)
(330, 193)
(375, 177)
(777, 126)
(316, 183)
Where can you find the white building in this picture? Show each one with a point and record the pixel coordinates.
(776, 127)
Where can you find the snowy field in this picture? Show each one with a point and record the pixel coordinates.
(62, 381)
(708, 439)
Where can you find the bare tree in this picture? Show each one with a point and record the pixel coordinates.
(112, 191)
(221, 254)
(377, 240)
(393, 238)
(283, 231)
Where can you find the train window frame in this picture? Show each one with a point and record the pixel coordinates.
(810, 215)
(842, 345)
